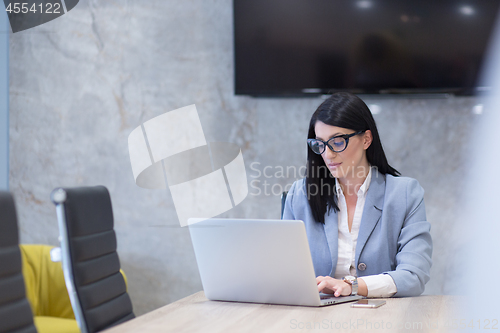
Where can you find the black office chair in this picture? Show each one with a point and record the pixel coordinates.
(15, 310)
(283, 200)
(90, 262)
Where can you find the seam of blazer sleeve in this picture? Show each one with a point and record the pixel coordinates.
(410, 210)
(289, 199)
(407, 206)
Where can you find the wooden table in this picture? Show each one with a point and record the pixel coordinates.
(196, 313)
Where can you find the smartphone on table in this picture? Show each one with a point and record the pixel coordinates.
(368, 303)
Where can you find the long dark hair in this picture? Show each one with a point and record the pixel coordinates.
(347, 111)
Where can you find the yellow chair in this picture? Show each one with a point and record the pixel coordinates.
(46, 291)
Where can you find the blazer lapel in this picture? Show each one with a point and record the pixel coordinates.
(372, 210)
(331, 227)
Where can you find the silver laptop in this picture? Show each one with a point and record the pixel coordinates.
(258, 261)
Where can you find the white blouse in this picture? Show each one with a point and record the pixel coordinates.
(381, 285)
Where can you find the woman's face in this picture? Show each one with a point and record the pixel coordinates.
(350, 163)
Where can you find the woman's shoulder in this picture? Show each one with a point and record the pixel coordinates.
(402, 184)
(296, 204)
(298, 187)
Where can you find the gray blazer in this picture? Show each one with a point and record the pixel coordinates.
(394, 235)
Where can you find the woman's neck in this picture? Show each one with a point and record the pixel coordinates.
(351, 183)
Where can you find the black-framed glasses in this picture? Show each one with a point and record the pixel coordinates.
(336, 144)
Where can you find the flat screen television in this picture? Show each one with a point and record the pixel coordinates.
(314, 47)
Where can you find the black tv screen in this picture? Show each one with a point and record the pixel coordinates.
(312, 47)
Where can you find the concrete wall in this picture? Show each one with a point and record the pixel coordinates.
(81, 83)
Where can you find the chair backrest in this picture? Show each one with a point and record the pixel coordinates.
(283, 199)
(90, 262)
(15, 310)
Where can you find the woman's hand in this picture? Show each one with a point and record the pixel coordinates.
(329, 285)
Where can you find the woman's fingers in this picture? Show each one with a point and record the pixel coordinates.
(325, 285)
(330, 285)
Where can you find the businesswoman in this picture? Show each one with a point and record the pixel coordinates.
(366, 226)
